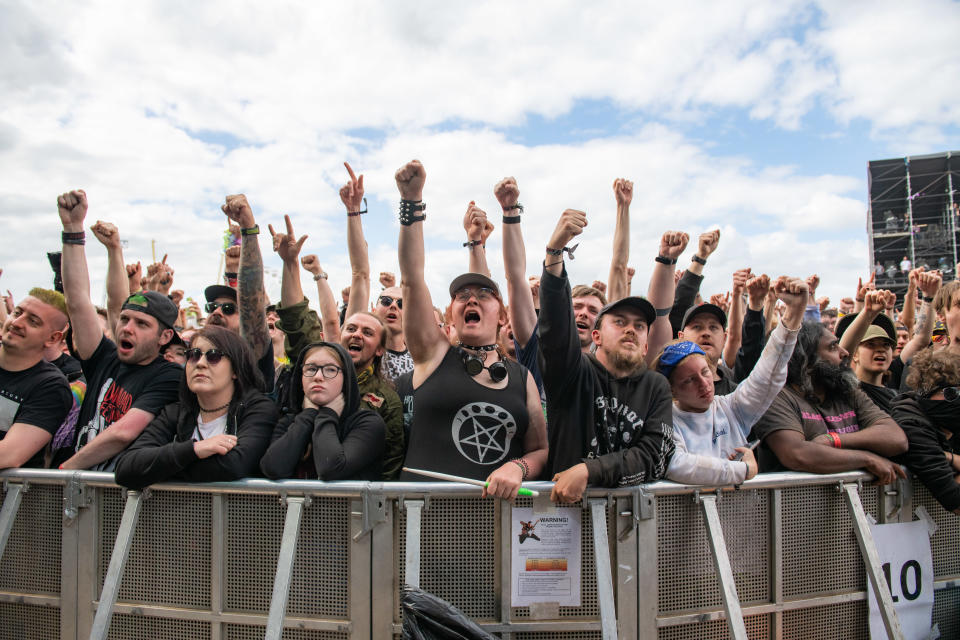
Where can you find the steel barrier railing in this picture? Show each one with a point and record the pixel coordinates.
(780, 557)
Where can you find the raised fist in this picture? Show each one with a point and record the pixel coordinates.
(351, 194)
(863, 287)
(286, 244)
(72, 207)
(134, 274)
(707, 243)
(507, 192)
(238, 209)
(823, 303)
(812, 283)
(410, 178)
(673, 243)
(534, 287)
(623, 191)
(107, 234)
(740, 278)
(630, 273)
(387, 279)
(792, 291)
(677, 275)
(929, 283)
(475, 223)
(569, 226)
(913, 278)
(231, 259)
(311, 263)
(600, 286)
(757, 289)
(345, 295)
(176, 296)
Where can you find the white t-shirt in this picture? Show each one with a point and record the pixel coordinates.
(206, 430)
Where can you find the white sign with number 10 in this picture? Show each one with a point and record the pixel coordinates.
(904, 551)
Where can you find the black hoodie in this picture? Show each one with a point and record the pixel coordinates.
(165, 448)
(345, 447)
(925, 457)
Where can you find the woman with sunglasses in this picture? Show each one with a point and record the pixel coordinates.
(328, 436)
(930, 416)
(217, 431)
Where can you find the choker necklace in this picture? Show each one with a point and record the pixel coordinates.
(213, 410)
(482, 347)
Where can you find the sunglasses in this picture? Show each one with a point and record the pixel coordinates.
(328, 370)
(228, 308)
(387, 301)
(950, 394)
(213, 356)
(482, 294)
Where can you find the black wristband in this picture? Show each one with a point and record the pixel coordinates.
(230, 274)
(250, 231)
(409, 210)
(698, 259)
(357, 213)
(926, 299)
(473, 243)
(559, 252)
(517, 206)
(665, 260)
(511, 219)
(73, 237)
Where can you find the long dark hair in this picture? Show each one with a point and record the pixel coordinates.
(241, 362)
(804, 361)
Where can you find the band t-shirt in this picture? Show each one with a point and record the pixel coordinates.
(396, 363)
(38, 396)
(113, 388)
(790, 410)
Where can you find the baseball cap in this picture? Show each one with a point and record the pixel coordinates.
(708, 308)
(882, 320)
(215, 291)
(467, 279)
(631, 302)
(155, 304)
(875, 331)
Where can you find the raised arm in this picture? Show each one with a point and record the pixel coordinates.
(753, 333)
(72, 207)
(118, 286)
(690, 279)
(425, 343)
(351, 194)
(660, 293)
(909, 311)
(253, 316)
(329, 315)
(478, 229)
(735, 318)
(288, 248)
(873, 304)
(522, 313)
(929, 284)
(617, 281)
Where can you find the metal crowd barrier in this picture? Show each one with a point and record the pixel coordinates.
(783, 556)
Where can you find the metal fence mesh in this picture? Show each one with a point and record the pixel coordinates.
(844, 621)
(31, 561)
(28, 622)
(758, 628)
(248, 632)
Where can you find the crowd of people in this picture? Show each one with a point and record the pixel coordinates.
(584, 385)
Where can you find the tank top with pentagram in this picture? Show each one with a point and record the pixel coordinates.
(462, 427)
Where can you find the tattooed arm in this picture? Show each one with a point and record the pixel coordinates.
(253, 317)
(929, 284)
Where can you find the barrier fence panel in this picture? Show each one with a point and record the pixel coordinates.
(202, 560)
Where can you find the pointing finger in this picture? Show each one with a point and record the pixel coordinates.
(353, 177)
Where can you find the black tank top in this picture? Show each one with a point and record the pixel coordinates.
(464, 428)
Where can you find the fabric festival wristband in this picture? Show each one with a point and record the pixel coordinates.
(665, 260)
(73, 237)
(250, 231)
(836, 439)
(663, 312)
(699, 260)
(511, 219)
(474, 243)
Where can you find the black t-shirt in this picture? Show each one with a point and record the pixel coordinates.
(69, 365)
(267, 369)
(38, 396)
(881, 396)
(113, 388)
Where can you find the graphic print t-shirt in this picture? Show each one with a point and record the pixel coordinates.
(38, 396)
(113, 388)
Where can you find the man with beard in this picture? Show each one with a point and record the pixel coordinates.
(128, 382)
(363, 336)
(821, 422)
(610, 419)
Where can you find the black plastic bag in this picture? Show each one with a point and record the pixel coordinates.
(427, 617)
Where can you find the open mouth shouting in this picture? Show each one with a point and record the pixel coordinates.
(471, 317)
(124, 346)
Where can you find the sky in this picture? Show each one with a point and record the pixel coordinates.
(753, 117)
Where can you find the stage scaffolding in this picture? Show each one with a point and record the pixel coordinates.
(914, 217)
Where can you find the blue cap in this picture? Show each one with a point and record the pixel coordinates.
(674, 353)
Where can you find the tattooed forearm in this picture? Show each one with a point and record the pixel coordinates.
(253, 317)
(921, 324)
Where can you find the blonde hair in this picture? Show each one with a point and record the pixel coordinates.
(48, 296)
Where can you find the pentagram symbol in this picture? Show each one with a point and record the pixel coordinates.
(482, 432)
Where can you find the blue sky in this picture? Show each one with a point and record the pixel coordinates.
(758, 118)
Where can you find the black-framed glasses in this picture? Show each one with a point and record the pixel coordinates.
(387, 301)
(213, 356)
(481, 293)
(228, 308)
(328, 370)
